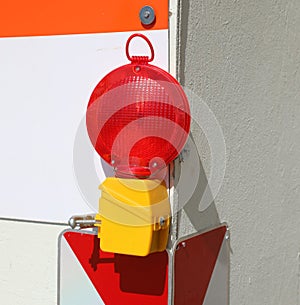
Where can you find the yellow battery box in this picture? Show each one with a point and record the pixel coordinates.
(134, 216)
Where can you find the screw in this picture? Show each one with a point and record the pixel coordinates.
(147, 14)
(162, 221)
(181, 245)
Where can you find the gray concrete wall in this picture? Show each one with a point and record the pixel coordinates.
(243, 59)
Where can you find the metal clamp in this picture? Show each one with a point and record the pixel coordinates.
(83, 221)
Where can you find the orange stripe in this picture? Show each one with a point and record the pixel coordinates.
(59, 17)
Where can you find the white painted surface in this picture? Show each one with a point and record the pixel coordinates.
(243, 58)
(173, 32)
(75, 286)
(45, 86)
(28, 264)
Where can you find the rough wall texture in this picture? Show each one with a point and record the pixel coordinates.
(243, 59)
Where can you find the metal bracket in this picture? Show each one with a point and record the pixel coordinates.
(83, 221)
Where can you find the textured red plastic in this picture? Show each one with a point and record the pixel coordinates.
(138, 119)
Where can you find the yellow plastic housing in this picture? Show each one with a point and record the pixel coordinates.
(134, 216)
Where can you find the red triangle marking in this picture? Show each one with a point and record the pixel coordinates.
(194, 265)
(122, 279)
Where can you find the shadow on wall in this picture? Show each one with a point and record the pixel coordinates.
(197, 220)
(191, 183)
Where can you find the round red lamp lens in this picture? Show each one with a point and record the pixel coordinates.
(138, 119)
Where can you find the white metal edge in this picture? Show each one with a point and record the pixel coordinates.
(60, 236)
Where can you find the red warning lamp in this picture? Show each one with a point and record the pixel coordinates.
(138, 120)
(138, 117)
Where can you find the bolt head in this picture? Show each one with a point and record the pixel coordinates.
(147, 14)
(162, 221)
